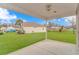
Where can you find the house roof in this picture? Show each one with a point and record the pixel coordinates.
(32, 24)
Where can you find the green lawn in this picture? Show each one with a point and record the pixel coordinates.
(12, 41)
(63, 36)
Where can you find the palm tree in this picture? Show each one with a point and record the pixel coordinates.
(19, 23)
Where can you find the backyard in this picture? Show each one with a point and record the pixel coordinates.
(67, 36)
(12, 41)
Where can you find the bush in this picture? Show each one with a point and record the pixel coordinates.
(21, 32)
(1, 32)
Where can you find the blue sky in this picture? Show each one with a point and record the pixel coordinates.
(27, 18)
(60, 21)
(10, 16)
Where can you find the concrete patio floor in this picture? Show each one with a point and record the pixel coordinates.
(48, 47)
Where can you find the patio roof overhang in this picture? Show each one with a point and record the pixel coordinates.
(45, 11)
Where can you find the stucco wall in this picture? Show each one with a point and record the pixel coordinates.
(34, 29)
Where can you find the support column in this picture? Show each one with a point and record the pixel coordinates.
(77, 32)
(77, 26)
(46, 30)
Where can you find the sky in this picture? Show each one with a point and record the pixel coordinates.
(65, 21)
(10, 17)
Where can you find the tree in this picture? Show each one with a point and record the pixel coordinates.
(19, 23)
(61, 29)
(73, 22)
(1, 32)
(50, 24)
(0, 27)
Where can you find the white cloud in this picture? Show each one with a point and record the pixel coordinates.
(66, 20)
(24, 20)
(5, 16)
(71, 18)
(59, 20)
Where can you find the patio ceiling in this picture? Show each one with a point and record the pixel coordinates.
(43, 10)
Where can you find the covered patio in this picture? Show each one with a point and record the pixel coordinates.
(48, 47)
(46, 12)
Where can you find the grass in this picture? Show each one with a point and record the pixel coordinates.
(68, 37)
(12, 41)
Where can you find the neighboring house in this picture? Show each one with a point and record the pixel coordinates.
(31, 27)
(53, 28)
(3, 29)
(10, 29)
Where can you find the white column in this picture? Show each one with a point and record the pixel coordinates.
(77, 26)
(46, 30)
(77, 34)
(77, 31)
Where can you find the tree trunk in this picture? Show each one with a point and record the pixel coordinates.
(61, 29)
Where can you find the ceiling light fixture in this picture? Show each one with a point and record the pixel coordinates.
(48, 7)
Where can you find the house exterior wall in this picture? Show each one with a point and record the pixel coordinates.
(3, 29)
(34, 29)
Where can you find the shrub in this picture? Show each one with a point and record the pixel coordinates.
(21, 32)
(1, 32)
